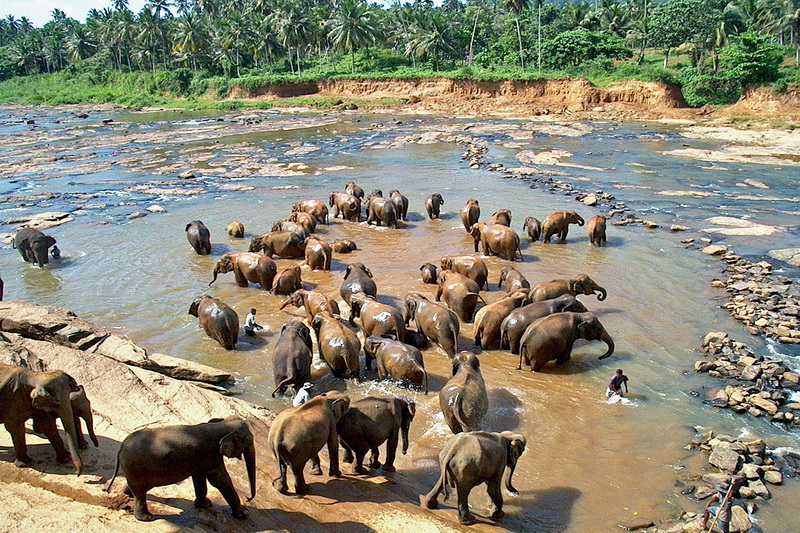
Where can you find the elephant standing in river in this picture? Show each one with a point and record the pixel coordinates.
(345, 205)
(344, 246)
(470, 213)
(248, 267)
(290, 226)
(376, 318)
(496, 240)
(318, 254)
(463, 398)
(288, 281)
(515, 324)
(338, 346)
(428, 273)
(199, 237)
(551, 338)
(351, 188)
(558, 224)
(434, 322)
(313, 302)
(381, 212)
(291, 363)
(307, 221)
(513, 280)
(472, 267)
(502, 217)
(314, 208)
(581, 284)
(357, 278)
(460, 293)
(155, 457)
(400, 204)
(284, 244)
(396, 360)
(33, 245)
(533, 227)
(470, 459)
(235, 229)
(596, 228)
(489, 318)
(433, 204)
(218, 319)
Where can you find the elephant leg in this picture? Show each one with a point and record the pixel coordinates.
(280, 483)
(315, 468)
(359, 468)
(493, 488)
(82, 444)
(391, 452)
(348, 453)
(220, 479)
(373, 458)
(333, 454)
(538, 364)
(17, 430)
(140, 511)
(465, 517)
(48, 426)
(200, 492)
(429, 501)
(447, 344)
(300, 486)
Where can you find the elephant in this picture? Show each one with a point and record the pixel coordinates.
(353, 189)
(470, 213)
(496, 240)
(291, 360)
(346, 205)
(248, 267)
(433, 203)
(434, 322)
(155, 457)
(513, 280)
(397, 360)
(357, 278)
(463, 398)
(470, 459)
(515, 324)
(376, 193)
(558, 224)
(314, 208)
(596, 228)
(376, 318)
(27, 394)
(338, 346)
(307, 221)
(381, 212)
(415, 338)
(551, 338)
(284, 244)
(400, 204)
(472, 267)
(343, 246)
(460, 293)
(533, 227)
(218, 319)
(370, 422)
(294, 227)
(318, 254)
(489, 319)
(236, 229)
(502, 217)
(314, 302)
(581, 284)
(81, 408)
(298, 434)
(428, 273)
(33, 245)
(199, 237)
(288, 281)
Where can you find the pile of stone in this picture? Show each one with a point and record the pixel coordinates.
(757, 385)
(767, 303)
(474, 153)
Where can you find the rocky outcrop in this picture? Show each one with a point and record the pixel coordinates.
(63, 327)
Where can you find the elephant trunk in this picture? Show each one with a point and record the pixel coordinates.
(250, 463)
(606, 338)
(404, 437)
(476, 245)
(87, 417)
(67, 418)
(601, 293)
(216, 272)
(508, 473)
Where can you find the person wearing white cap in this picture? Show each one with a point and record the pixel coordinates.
(303, 395)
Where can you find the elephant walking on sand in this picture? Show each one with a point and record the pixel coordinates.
(218, 319)
(551, 338)
(463, 398)
(580, 284)
(298, 434)
(470, 459)
(155, 457)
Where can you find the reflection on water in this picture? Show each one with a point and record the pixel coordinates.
(589, 464)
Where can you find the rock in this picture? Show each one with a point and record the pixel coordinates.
(756, 183)
(725, 459)
(740, 521)
(751, 373)
(714, 337)
(703, 492)
(705, 240)
(187, 175)
(715, 249)
(108, 120)
(136, 214)
(751, 471)
(790, 380)
(756, 447)
(41, 220)
(702, 438)
(650, 224)
(764, 404)
(774, 477)
(600, 109)
(787, 255)
(761, 322)
(636, 523)
(759, 488)
(716, 478)
(747, 360)
(156, 209)
(746, 493)
(678, 227)
(590, 200)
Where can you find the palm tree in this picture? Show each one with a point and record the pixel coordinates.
(191, 39)
(539, 4)
(353, 26)
(430, 36)
(120, 5)
(294, 28)
(517, 6)
(79, 43)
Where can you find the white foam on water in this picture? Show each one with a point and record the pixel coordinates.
(616, 398)
(795, 396)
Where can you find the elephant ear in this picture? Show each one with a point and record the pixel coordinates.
(516, 447)
(411, 409)
(339, 407)
(306, 336)
(233, 444)
(43, 400)
(216, 420)
(584, 329)
(368, 271)
(50, 241)
(347, 271)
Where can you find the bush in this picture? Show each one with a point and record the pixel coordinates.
(751, 59)
(701, 89)
(572, 48)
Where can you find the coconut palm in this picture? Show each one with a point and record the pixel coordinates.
(353, 26)
(191, 39)
(517, 6)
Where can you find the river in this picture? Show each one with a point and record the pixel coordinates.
(589, 465)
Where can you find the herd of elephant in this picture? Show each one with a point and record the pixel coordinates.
(540, 323)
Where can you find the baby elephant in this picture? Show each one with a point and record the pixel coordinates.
(428, 273)
(596, 228)
(218, 319)
(236, 229)
(470, 459)
(164, 456)
(369, 423)
(199, 237)
(463, 398)
(533, 227)
(433, 204)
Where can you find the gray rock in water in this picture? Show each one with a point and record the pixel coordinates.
(751, 373)
(740, 520)
(187, 175)
(773, 476)
(715, 249)
(725, 459)
(787, 255)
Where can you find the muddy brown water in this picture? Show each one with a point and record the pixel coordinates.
(589, 465)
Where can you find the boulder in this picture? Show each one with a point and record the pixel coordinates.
(746, 493)
(751, 471)
(650, 224)
(704, 491)
(590, 200)
(725, 459)
(740, 520)
(714, 337)
(678, 227)
(136, 214)
(716, 478)
(751, 373)
(155, 208)
(790, 380)
(773, 476)
(187, 175)
(42, 220)
(759, 488)
(764, 404)
(715, 249)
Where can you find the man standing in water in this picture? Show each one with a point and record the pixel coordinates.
(615, 385)
(250, 326)
(724, 496)
(303, 395)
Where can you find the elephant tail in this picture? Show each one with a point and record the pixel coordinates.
(504, 342)
(519, 249)
(457, 413)
(282, 386)
(107, 488)
(425, 375)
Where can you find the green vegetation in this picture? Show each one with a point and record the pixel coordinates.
(194, 53)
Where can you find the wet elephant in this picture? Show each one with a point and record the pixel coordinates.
(357, 278)
(533, 227)
(502, 217)
(581, 284)
(155, 457)
(289, 280)
(512, 280)
(376, 318)
(318, 254)
(235, 229)
(247, 267)
(306, 220)
(338, 346)
(314, 208)
(345, 206)
(489, 318)
(381, 212)
(428, 273)
(460, 293)
(218, 319)
(596, 228)
(297, 435)
(33, 245)
(294, 227)
(199, 237)
(370, 422)
(551, 338)
(434, 322)
(351, 188)
(496, 240)
(470, 213)
(284, 244)
(291, 359)
(472, 267)
(463, 398)
(397, 360)
(343, 246)
(433, 204)
(515, 324)
(313, 302)
(400, 204)
(558, 224)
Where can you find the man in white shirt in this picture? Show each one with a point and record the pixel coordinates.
(303, 395)
(250, 326)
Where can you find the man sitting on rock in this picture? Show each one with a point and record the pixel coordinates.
(615, 385)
